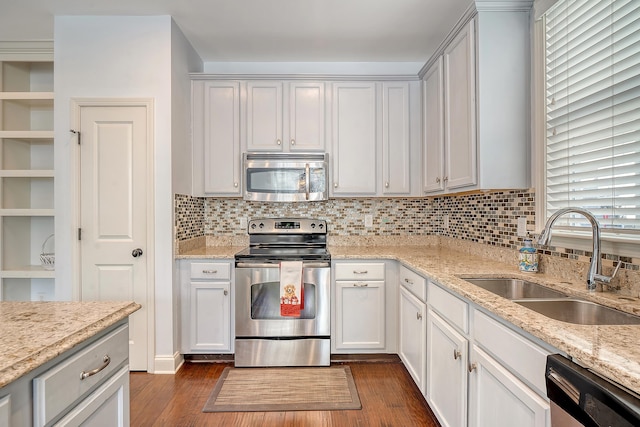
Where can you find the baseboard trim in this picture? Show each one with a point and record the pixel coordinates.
(168, 364)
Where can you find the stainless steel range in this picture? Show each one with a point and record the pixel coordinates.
(265, 334)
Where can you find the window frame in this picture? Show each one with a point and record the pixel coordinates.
(612, 242)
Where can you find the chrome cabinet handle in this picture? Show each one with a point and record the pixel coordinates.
(473, 366)
(361, 285)
(456, 354)
(293, 142)
(136, 252)
(226, 292)
(418, 316)
(235, 184)
(386, 184)
(360, 271)
(408, 281)
(438, 180)
(335, 185)
(209, 271)
(105, 362)
(446, 178)
(278, 142)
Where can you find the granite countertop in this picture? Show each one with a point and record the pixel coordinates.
(612, 351)
(33, 333)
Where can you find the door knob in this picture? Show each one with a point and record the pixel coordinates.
(136, 252)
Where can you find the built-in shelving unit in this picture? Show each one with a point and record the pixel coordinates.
(26, 175)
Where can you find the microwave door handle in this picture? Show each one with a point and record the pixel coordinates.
(306, 174)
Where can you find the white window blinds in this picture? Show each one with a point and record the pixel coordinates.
(593, 111)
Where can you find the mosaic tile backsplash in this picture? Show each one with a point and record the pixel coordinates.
(488, 218)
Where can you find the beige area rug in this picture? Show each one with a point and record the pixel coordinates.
(284, 389)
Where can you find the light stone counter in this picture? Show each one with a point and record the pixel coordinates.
(613, 351)
(33, 333)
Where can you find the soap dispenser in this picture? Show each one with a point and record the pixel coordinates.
(528, 257)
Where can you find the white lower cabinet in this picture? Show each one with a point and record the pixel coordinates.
(498, 398)
(446, 385)
(206, 307)
(412, 344)
(360, 315)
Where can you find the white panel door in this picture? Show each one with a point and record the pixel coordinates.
(264, 116)
(114, 213)
(222, 162)
(433, 122)
(354, 139)
(306, 116)
(396, 147)
(460, 110)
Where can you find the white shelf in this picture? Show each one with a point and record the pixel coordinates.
(28, 272)
(27, 212)
(27, 96)
(28, 173)
(26, 134)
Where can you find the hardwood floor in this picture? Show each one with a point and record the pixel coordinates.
(387, 393)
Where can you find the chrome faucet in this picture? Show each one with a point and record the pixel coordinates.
(595, 269)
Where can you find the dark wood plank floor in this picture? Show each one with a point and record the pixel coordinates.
(387, 393)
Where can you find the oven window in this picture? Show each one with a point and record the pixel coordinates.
(265, 301)
(271, 180)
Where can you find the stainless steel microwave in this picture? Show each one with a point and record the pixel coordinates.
(285, 177)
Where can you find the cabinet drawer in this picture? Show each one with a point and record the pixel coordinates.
(61, 385)
(414, 283)
(452, 308)
(210, 270)
(360, 271)
(519, 355)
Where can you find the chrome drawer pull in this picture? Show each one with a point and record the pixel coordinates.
(105, 362)
(361, 285)
(210, 271)
(408, 281)
(360, 271)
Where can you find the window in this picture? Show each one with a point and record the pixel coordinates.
(592, 84)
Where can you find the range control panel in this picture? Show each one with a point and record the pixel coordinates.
(287, 226)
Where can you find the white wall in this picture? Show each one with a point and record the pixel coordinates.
(120, 57)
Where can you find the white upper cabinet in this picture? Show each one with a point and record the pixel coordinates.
(264, 116)
(460, 110)
(476, 106)
(222, 138)
(285, 116)
(355, 142)
(433, 129)
(306, 116)
(396, 142)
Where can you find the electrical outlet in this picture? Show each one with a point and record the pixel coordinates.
(243, 223)
(522, 226)
(445, 221)
(368, 221)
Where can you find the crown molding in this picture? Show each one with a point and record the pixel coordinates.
(39, 50)
(322, 77)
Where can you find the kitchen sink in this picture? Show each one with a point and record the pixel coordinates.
(514, 288)
(579, 312)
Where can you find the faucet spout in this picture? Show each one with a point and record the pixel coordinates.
(595, 268)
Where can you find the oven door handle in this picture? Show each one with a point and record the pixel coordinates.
(307, 179)
(305, 264)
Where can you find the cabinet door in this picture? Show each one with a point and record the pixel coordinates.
(460, 111)
(354, 139)
(210, 311)
(433, 122)
(396, 147)
(222, 161)
(497, 398)
(306, 116)
(447, 357)
(413, 336)
(107, 406)
(360, 315)
(264, 116)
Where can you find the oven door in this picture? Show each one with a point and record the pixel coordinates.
(257, 288)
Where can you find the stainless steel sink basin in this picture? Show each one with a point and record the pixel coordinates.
(579, 312)
(514, 288)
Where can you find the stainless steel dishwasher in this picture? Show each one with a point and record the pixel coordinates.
(579, 397)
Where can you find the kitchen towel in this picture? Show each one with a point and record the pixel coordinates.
(291, 290)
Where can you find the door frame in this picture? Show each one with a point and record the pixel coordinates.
(76, 106)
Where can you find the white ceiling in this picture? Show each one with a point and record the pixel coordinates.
(268, 30)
